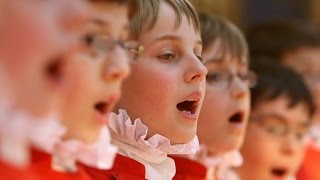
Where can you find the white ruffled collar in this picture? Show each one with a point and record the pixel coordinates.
(218, 166)
(155, 148)
(130, 137)
(19, 131)
(100, 154)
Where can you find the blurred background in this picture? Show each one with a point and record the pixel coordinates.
(247, 12)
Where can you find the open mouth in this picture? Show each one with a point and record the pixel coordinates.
(189, 107)
(102, 107)
(236, 118)
(279, 172)
(54, 70)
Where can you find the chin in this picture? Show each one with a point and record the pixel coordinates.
(182, 139)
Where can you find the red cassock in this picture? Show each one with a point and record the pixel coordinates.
(41, 169)
(310, 169)
(10, 172)
(189, 170)
(124, 168)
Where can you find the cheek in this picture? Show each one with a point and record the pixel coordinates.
(215, 105)
(154, 86)
(80, 78)
(258, 151)
(211, 124)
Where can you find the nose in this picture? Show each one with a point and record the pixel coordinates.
(238, 89)
(117, 66)
(196, 71)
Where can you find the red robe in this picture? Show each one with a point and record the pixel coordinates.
(310, 169)
(187, 169)
(124, 168)
(8, 171)
(41, 168)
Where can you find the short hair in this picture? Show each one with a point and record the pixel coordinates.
(132, 5)
(275, 38)
(148, 12)
(277, 80)
(215, 28)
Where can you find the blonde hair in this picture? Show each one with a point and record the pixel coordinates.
(148, 11)
(214, 28)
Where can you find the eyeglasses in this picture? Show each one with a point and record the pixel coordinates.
(276, 127)
(106, 45)
(223, 79)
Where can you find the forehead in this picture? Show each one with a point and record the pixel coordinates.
(166, 24)
(217, 52)
(109, 15)
(297, 114)
(304, 59)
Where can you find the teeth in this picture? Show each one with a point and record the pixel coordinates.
(185, 111)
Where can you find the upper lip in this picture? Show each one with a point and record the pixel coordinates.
(194, 96)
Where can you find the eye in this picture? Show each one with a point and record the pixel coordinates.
(249, 78)
(200, 58)
(301, 134)
(214, 77)
(275, 129)
(89, 43)
(168, 56)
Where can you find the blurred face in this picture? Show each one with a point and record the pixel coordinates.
(223, 118)
(275, 140)
(36, 36)
(167, 87)
(307, 62)
(98, 72)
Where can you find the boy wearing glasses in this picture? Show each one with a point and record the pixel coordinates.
(298, 46)
(281, 115)
(96, 73)
(225, 111)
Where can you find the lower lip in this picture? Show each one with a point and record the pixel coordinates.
(191, 117)
(103, 119)
(278, 177)
(237, 127)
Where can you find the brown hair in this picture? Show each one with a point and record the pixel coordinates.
(147, 15)
(132, 5)
(275, 38)
(215, 28)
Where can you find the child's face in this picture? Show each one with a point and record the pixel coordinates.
(223, 118)
(35, 38)
(97, 72)
(166, 76)
(275, 140)
(306, 61)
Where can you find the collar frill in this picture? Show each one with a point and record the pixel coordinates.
(19, 131)
(100, 154)
(218, 166)
(130, 137)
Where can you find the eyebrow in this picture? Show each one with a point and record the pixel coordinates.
(283, 119)
(220, 60)
(173, 38)
(99, 22)
(214, 60)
